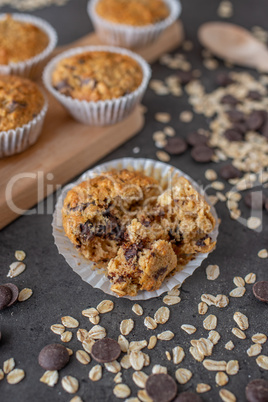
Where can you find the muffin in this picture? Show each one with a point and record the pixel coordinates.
(25, 42)
(98, 85)
(132, 23)
(23, 108)
(143, 234)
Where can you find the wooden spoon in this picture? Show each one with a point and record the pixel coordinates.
(235, 44)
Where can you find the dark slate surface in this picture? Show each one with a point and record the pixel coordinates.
(59, 291)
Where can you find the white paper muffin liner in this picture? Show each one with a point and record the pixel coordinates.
(85, 268)
(18, 140)
(31, 67)
(131, 36)
(103, 112)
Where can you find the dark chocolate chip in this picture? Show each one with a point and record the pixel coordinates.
(176, 146)
(240, 126)
(254, 95)
(223, 80)
(195, 139)
(53, 357)
(5, 296)
(254, 200)
(264, 127)
(105, 350)
(188, 397)
(235, 116)
(260, 290)
(229, 100)
(202, 153)
(257, 391)
(161, 387)
(184, 77)
(15, 105)
(230, 172)
(233, 135)
(255, 120)
(15, 293)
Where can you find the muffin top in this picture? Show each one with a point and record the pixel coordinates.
(20, 40)
(133, 12)
(20, 101)
(94, 76)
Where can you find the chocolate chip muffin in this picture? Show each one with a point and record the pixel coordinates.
(97, 76)
(132, 12)
(20, 40)
(125, 219)
(21, 101)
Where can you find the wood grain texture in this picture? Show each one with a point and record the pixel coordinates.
(66, 147)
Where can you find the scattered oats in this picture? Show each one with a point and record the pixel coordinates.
(113, 367)
(163, 156)
(157, 369)
(225, 9)
(183, 375)
(123, 343)
(70, 352)
(250, 278)
(140, 378)
(238, 292)
(201, 388)
(87, 344)
(137, 345)
(238, 333)
(217, 185)
(208, 299)
(143, 396)
(20, 255)
(214, 337)
(174, 292)
(178, 354)
(239, 282)
(262, 361)
(213, 199)
(146, 360)
(186, 116)
(221, 378)
(159, 136)
(152, 342)
(70, 384)
(253, 222)
(171, 300)
(205, 346)
(227, 396)
(221, 196)
(202, 308)
(95, 373)
(25, 294)
(105, 306)
(90, 312)
(82, 356)
(50, 378)
(229, 345)
(161, 316)
(163, 117)
(259, 338)
(15, 269)
(214, 365)
(211, 175)
(196, 354)
(76, 399)
(190, 329)
(81, 334)
(97, 332)
(210, 322)
(211, 64)
(254, 350)
(8, 365)
(137, 309)
(57, 329)
(136, 360)
(1, 374)
(69, 322)
(66, 336)
(94, 320)
(165, 336)
(125, 362)
(212, 271)
(241, 320)
(168, 355)
(232, 367)
(169, 131)
(118, 378)
(15, 376)
(263, 253)
(150, 323)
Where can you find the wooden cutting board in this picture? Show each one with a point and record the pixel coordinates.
(66, 147)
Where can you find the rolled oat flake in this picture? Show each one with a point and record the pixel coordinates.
(105, 350)
(257, 391)
(260, 291)
(161, 387)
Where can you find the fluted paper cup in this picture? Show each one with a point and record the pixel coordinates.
(162, 172)
(131, 36)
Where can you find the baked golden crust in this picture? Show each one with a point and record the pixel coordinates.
(144, 233)
(133, 12)
(21, 101)
(20, 41)
(95, 76)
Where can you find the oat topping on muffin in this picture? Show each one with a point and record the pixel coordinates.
(133, 12)
(20, 41)
(125, 219)
(20, 101)
(97, 75)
